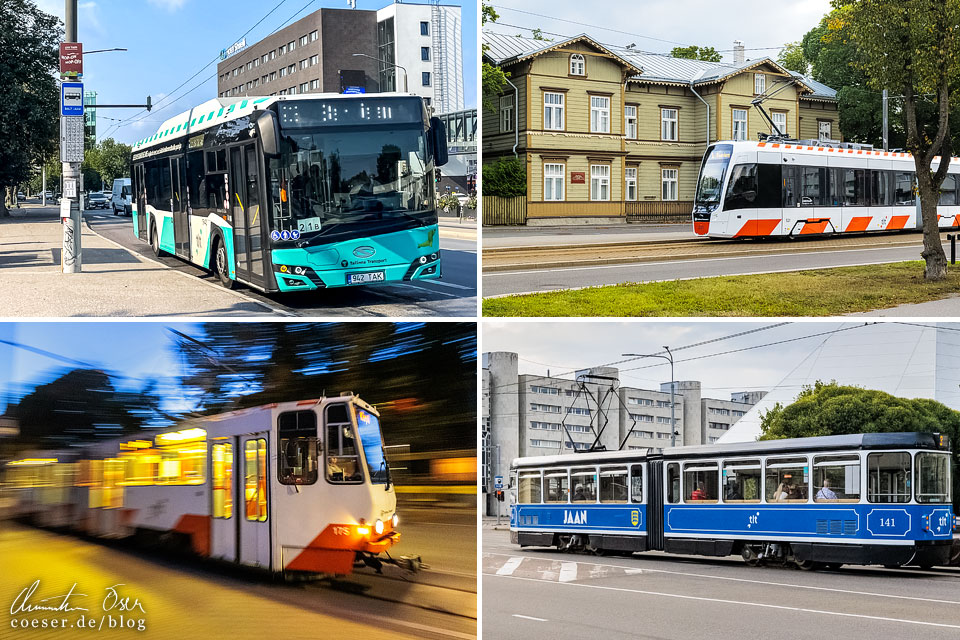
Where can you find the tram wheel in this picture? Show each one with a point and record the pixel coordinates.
(220, 266)
(807, 565)
(750, 556)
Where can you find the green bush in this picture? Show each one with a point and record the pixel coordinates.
(507, 178)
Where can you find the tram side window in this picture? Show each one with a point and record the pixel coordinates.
(223, 480)
(787, 480)
(903, 188)
(949, 191)
(700, 482)
(791, 186)
(113, 477)
(888, 477)
(636, 483)
(584, 483)
(881, 188)
(297, 447)
(673, 483)
(255, 479)
(613, 484)
(836, 478)
(741, 481)
(742, 192)
(528, 487)
(96, 484)
(813, 187)
(555, 485)
(343, 461)
(933, 477)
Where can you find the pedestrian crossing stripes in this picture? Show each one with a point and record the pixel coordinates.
(550, 570)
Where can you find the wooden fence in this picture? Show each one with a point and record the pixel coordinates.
(659, 211)
(500, 211)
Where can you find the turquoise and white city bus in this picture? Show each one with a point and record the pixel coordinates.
(292, 193)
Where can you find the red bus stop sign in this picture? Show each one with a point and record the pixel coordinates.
(71, 59)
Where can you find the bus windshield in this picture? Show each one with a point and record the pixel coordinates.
(351, 180)
(368, 426)
(712, 171)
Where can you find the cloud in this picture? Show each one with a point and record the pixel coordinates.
(169, 5)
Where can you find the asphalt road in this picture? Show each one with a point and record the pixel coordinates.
(454, 295)
(543, 594)
(538, 280)
(184, 598)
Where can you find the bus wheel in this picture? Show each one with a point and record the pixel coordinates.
(154, 241)
(220, 266)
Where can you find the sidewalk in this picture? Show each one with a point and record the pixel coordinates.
(113, 281)
(452, 227)
(544, 237)
(945, 307)
(490, 522)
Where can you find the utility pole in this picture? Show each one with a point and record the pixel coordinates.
(497, 502)
(70, 210)
(886, 137)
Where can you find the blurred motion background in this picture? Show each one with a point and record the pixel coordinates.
(64, 384)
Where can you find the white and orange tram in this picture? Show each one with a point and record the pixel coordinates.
(801, 187)
(298, 486)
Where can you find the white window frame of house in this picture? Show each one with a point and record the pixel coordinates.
(670, 124)
(314, 35)
(630, 180)
(314, 85)
(829, 128)
(759, 83)
(303, 41)
(578, 66)
(283, 72)
(735, 120)
(669, 179)
(600, 182)
(506, 114)
(291, 45)
(304, 87)
(630, 121)
(304, 64)
(315, 59)
(554, 181)
(553, 111)
(779, 118)
(599, 114)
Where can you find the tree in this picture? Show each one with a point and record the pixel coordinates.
(912, 47)
(827, 409)
(791, 57)
(538, 35)
(494, 78)
(113, 160)
(507, 178)
(29, 126)
(693, 52)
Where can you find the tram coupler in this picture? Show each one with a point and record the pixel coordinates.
(410, 564)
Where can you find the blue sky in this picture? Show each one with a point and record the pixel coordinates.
(170, 40)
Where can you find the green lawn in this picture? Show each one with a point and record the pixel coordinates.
(821, 292)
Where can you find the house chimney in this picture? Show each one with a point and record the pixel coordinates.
(738, 52)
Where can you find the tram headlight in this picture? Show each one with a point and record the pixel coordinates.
(396, 520)
(378, 526)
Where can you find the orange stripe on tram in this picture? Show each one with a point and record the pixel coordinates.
(859, 223)
(897, 222)
(814, 226)
(757, 228)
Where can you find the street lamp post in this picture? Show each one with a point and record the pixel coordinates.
(392, 64)
(673, 384)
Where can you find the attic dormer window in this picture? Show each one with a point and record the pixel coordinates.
(577, 66)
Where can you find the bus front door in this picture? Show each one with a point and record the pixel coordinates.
(178, 206)
(141, 196)
(246, 205)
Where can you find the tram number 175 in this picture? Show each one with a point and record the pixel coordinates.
(341, 531)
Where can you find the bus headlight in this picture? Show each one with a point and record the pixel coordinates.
(396, 520)
(378, 526)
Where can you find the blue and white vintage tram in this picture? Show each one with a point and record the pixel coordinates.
(877, 498)
(802, 187)
(300, 486)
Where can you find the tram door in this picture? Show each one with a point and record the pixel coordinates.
(141, 196)
(178, 206)
(246, 205)
(253, 522)
(225, 470)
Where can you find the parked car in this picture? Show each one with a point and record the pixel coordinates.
(21, 195)
(96, 200)
(122, 200)
(49, 195)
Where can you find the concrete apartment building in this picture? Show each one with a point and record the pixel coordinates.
(611, 134)
(521, 414)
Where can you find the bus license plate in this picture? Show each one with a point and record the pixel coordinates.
(361, 278)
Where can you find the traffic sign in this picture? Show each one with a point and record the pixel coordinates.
(71, 139)
(498, 482)
(71, 59)
(71, 99)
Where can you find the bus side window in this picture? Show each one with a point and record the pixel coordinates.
(194, 179)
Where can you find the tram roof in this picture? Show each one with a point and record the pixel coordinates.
(218, 110)
(824, 147)
(856, 441)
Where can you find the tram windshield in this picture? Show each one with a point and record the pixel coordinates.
(354, 170)
(712, 172)
(368, 426)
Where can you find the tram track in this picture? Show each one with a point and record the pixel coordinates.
(523, 258)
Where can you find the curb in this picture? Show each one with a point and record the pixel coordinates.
(587, 245)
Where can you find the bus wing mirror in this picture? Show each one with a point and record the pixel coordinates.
(438, 138)
(269, 132)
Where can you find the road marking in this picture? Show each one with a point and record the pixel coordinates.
(424, 289)
(751, 581)
(739, 603)
(568, 571)
(509, 566)
(517, 615)
(449, 284)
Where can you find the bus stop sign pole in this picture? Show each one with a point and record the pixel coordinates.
(70, 211)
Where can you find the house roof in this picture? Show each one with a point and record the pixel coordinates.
(653, 68)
